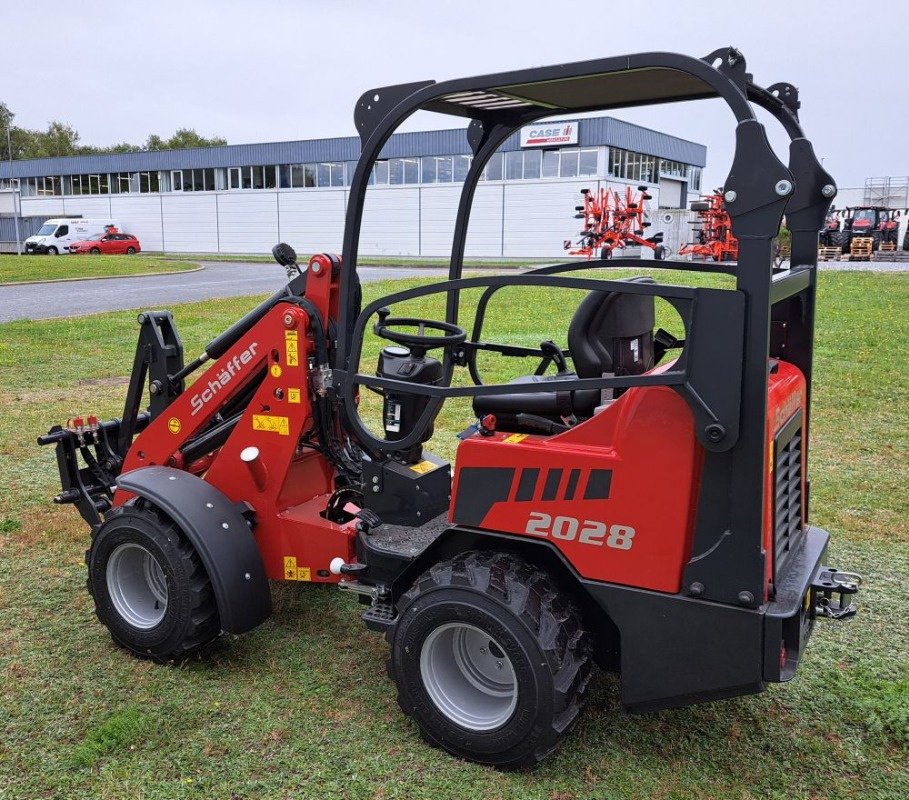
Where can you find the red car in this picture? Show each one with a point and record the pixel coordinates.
(109, 244)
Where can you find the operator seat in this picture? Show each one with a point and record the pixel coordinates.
(611, 333)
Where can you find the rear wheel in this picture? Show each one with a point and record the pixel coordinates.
(660, 252)
(606, 253)
(491, 660)
(130, 251)
(149, 586)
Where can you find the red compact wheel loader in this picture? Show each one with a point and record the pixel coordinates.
(639, 501)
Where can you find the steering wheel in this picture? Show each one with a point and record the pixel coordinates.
(418, 342)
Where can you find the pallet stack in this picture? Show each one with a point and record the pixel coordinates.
(825, 253)
(860, 249)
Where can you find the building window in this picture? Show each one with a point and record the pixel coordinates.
(587, 161)
(550, 164)
(149, 182)
(514, 165)
(493, 171)
(176, 181)
(533, 164)
(461, 167)
(694, 178)
(233, 175)
(568, 166)
(121, 183)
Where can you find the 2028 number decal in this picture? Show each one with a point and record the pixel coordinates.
(588, 531)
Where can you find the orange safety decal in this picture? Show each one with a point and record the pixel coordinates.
(515, 438)
(262, 422)
(291, 343)
(292, 572)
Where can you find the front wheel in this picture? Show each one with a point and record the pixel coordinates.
(149, 586)
(660, 252)
(491, 660)
(95, 251)
(53, 251)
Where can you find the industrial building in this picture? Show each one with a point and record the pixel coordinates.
(244, 198)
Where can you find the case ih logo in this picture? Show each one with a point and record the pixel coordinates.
(549, 133)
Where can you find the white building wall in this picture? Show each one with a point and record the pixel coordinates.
(190, 222)
(312, 220)
(514, 219)
(391, 221)
(485, 228)
(140, 215)
(248, 221)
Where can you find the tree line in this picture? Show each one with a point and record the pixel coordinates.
(61, 139)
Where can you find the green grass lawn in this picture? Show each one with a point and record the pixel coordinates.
(20, 269)
(301, 707)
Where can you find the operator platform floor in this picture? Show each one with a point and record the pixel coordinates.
(218, 279)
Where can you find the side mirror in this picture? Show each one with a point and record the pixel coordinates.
(284, 254)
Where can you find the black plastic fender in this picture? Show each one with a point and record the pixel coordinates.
(221, 535)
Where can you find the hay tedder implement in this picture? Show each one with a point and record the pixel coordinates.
(644, 506)
(614, 220)
(713, 232)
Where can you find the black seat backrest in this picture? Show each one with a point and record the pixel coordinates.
(612, 332)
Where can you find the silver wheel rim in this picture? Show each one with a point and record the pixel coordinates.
(137, 586)
(468, 676)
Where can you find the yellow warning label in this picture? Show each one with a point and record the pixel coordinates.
(423, 467)
(262, 422)
(293, 395)
(174, 425)
(515, 438)
(292, 572)
(275, 371)
(291, 345)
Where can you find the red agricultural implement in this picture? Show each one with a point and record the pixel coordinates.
(614, 221)
(714, 238)
(644, 507)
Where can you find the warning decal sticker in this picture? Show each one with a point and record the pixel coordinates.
(262, 422)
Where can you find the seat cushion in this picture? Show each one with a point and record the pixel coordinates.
(543, 403)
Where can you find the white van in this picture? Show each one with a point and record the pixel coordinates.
(58, 234)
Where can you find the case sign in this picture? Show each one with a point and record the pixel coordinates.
(546, 134)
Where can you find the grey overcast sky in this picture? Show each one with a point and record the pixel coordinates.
(273, 70)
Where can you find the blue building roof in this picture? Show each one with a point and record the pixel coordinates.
(592, 132)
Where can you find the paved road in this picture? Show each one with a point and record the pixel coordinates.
(218, 279)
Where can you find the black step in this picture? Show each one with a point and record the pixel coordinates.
(380, 616)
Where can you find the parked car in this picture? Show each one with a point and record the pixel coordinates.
(109, 244)
(57, 235)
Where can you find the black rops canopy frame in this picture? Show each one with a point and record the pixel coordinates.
(730, 334)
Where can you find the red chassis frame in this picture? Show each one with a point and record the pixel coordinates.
(289, 485)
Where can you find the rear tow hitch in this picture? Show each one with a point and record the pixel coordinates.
(831, 582)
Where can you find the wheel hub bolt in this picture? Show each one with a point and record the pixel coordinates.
(829, 190)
